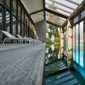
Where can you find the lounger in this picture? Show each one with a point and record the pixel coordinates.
(11, 38)
(30, 39)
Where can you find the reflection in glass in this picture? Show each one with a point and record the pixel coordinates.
(65, 43)
(75, 19)
(14, 26)
(81, 44)
(7, 21)
(27, 22)
(23, 30)
(82, 13)
(82, 72)
(8, 4)
(27, 31)
(22, 16)
(1, 22)
(2, 2)
(81, 32)
(81, 55)
(19, 27)
(77, 43)
(14, 7)
(74, 48)
(19, 9)
(65, 37)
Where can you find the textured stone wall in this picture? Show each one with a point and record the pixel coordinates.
(40, 29)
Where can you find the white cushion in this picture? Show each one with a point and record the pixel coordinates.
(7, 34)
(19, 36)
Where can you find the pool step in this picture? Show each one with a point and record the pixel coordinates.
(53, 79)
(62, 79)
(55, 67)
(59, 75)
(77, 84)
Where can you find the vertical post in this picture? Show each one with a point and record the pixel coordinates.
(17, 19)
(21, 22)
(24, 25)
(84, 33)
(29, 28)
(26, 28)
(11, 16)
(84, 42)
(4, 19)
(69, 43)
(69, 32)
(61, 43)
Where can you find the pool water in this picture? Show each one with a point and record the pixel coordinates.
(67, 70)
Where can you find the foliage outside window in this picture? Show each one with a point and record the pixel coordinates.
(52, 31)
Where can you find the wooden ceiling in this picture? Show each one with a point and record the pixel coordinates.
(55, 17)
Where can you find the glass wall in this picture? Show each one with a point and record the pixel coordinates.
(8, 4)
(81, 45)
(19, 24)
(14, 7)
(19, 11)
(75, 19)
(8, 21)
(22, 30)
(1, 21)
(82, 14)
(2, 1)
(16, 21)
(74, 49)
(77, 43)
(78, 40)
(65, 37)
(14, 26)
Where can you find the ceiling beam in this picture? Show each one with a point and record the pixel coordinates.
(36, 11)
(53, 23)
(55, 17)
(73, 2)
(44, 9)
(54, 20)
(59, 8)
(57, 13)
(62, 4)
(78, 10)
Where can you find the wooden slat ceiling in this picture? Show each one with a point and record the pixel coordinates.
(55, 17)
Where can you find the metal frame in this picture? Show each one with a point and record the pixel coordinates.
(50, 18)
(73, 2)
(62, 4)
(56, 13)
(36, 11)
(53, 23)
(18, 2)
(80, 7)
(59, 8)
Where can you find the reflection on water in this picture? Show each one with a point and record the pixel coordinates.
(72, 62)
(52, 53)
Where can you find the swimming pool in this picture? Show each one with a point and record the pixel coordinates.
(72, 63)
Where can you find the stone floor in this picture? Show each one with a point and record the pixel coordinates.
(21, 64)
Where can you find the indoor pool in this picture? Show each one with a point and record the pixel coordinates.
(68, 69)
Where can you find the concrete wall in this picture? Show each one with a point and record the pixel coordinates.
(40, 29)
